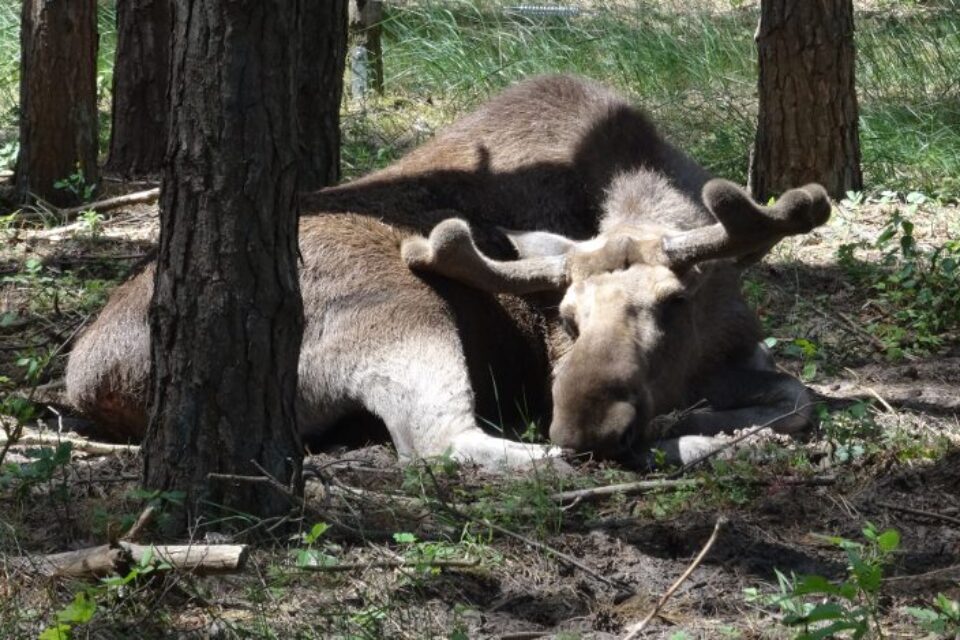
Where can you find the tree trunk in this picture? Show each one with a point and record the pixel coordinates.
(140, 75)
(323, 46)
(366, 19)
(807, 128)
(58, 98)
(227, 318)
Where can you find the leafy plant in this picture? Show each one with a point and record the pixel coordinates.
(311, 556)
(76, 184)
(918, 287)
(852, 430)
(78, 612)
(942, 619)
(822, 608)
(92, 223)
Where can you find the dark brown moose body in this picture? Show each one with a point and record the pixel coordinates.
(547, 255)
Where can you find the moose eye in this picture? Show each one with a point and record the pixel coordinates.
(569, 326)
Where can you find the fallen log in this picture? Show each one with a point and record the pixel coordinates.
(106, 559)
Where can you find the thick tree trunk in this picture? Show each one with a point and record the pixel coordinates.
(323, 46)
(58, 97)
(807, 128)
(140, 76)
(226, 318)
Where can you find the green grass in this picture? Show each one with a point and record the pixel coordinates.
(694, 71)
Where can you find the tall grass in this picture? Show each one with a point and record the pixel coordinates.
(694, 69)
(692, 65)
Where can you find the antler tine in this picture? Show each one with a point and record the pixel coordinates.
(451, 252)
(746, 230)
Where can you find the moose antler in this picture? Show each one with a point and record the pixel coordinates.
(745, 230)
(450, 251)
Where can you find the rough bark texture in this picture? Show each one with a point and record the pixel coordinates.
(366, 19)
(323, 45)
(226, 318)
(58, 97)
(140, 76)
(807, 128)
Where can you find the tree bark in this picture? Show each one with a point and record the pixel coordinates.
(366, 19)
(140, 76)
(807, 127)
(323, 46)
(226, 319)
(58, 97)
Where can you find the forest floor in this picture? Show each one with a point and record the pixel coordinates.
(887, 455)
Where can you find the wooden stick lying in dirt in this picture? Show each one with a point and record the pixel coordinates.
(392, 564)
(625, 488)
(105, 559)
(634, 631)
(919, 512)
(137, 197)
(85, 446)
(642, 486)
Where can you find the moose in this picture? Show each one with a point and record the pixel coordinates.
(548, 256)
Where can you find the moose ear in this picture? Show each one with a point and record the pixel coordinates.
(538, 244)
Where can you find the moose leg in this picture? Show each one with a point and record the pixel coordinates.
(745, 396)
(418, 384)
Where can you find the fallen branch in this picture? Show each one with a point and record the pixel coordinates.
(625, 488)
(919, 512)
(635, 630)
(85, 446)
(137, 197)
(106, 559)
(133, 533)
(391, 564)
(642, 486)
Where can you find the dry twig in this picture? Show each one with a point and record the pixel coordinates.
(634, 631)
(919, 512)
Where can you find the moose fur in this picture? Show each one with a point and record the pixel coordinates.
(613, 298)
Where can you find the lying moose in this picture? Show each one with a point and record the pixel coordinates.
(547, 255)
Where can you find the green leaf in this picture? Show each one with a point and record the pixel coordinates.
(316, 532)
(404, 538)
(79, 611)
(809, 371)
(815, 584)
(56, 632)
(889, 540)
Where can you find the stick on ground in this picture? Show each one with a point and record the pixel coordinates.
(106, 559)
(634, 631)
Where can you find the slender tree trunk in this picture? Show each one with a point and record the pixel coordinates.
(58, 97)
(140, 76)
(366, 19)
(323, 46)
(226, 318)
(807, 128)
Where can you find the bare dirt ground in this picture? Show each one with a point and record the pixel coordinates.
(537, 568)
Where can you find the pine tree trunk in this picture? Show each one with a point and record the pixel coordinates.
(323, 46)
(140, 76)
(227, 318)
(58, 97)
(807, 128)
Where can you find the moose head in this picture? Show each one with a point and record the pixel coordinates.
(636, 301)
